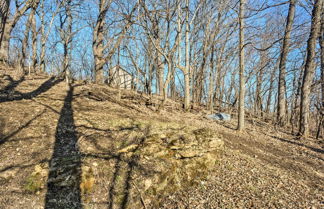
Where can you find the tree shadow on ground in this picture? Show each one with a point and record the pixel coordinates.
(320, 151)
(16, 96)
(12, 85)
(5, 138)
(121, 182)
(63, 184)
(104, 95)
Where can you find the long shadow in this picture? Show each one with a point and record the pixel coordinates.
(123, 188)
(107, 96)
(321, 151)
(12, 85)
(41, 89)
(119, 190)
(5, 138)
(63, 184)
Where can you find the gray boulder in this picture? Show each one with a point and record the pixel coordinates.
(219, 116)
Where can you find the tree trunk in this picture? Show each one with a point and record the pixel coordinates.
(272, 76)
(258, 97)
(282, 65)
(187, 61)
(43, 40)
(3, 17)
(9, 26)
(98, 45)
(309, 71)
(159, 72)
(321, 40)
(241, 62)
(24, 44)
(34, 44)
(67, 46)
(211, 87)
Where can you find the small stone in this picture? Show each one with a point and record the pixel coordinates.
(163, 136)
(147, 184)
(95, 164)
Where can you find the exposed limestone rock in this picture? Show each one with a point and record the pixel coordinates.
(174, 161)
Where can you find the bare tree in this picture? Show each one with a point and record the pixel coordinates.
(4, 8)
(282, 64)
(309, 70)
(30, 26)
(100, 45)
(241, 60)
(11, 23)
(321, 40)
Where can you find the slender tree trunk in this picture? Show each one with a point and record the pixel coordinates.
(187, 61)
(295, 102)
(34, 44)
(118, 74)
(211, 87)
(268, 108)
(186, 69)
(309, 71)
(30, 26)
(282, 65)
(258, 97)
(241, 62)
(44, 35)
(43, 40)
(24, 44)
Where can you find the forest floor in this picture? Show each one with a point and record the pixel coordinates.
(49, 132)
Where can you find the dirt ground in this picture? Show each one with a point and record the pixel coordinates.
(57, 147)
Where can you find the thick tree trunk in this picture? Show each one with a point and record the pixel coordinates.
(240, 126)
(309, 71)
(4, 8)
(9, 26)
(4, 50)
(282, 65)
(98, 45)
(321, 40)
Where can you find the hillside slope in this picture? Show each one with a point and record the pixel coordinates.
(84, 148)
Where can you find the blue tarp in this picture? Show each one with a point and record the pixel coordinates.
(219, 116)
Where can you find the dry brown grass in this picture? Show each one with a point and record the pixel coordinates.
(261, 168)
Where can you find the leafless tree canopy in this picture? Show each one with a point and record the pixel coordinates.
(262, 58)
